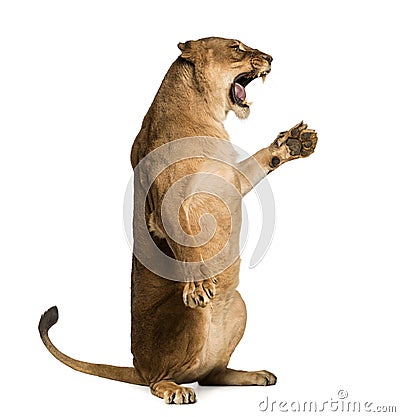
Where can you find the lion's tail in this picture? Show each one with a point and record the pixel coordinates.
(117, 373)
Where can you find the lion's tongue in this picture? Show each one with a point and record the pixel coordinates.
(240, 92)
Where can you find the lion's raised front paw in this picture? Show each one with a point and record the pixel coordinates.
(199, 293)
(297, 142)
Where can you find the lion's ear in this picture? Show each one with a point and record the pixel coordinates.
(188, 50)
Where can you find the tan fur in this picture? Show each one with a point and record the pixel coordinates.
(185, 330)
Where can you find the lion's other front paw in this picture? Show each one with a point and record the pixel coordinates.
(199, 293)
(298, 142)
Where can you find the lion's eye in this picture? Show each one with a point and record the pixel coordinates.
(238, 48)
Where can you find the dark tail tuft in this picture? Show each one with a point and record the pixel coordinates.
(48, 319)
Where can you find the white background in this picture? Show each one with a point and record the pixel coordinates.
(323, 306)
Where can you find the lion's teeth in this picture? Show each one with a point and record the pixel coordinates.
(247, 103)
(263, 77)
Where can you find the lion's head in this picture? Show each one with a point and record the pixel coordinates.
(223, 68)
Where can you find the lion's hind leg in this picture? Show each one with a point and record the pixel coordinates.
(232, 377)
(173, 393)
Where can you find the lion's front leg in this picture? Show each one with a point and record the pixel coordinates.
(297, 142)
(200, 284)
(199, 293)
(204, 240)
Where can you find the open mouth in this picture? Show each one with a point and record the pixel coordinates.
(238, 87)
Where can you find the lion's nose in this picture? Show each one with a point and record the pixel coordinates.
(268, 58)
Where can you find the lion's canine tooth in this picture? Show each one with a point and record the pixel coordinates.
(247, 103)
(263, 77)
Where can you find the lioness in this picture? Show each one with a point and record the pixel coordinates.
(187, 316)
